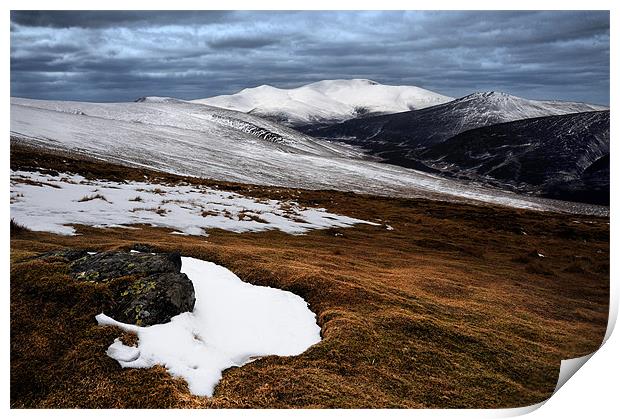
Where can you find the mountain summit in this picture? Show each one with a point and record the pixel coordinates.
(326, 101)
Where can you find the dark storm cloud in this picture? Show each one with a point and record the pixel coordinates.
(242, 42)
(107, 56)
(111, 18)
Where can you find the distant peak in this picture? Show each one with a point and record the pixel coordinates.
(261, 87)
(488, 95)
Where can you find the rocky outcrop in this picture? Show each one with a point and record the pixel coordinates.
(104, 266)
(146, 288)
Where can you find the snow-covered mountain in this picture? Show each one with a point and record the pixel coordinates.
(326, 101)
(198, 140)
(398, 138)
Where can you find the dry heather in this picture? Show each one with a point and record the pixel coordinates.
(451, 308)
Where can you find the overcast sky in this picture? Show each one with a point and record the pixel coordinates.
(119, 56)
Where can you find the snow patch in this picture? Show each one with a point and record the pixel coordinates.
(232, 323)
(44, 202)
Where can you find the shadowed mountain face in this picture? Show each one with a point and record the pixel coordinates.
(540, 147)
(398, 138)
(564, 157)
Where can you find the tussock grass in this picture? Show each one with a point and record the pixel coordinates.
(17, 228)
(87, 198)
(449, 309)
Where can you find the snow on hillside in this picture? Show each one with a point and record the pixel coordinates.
(158, 115)
(45, 202)
(203, 141)
(488, 108)
(327, 100)
(232, 323)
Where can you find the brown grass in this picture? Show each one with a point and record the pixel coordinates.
(129, 339)
(34, 183)
(449, 309)
(246, 215)
(157, 210)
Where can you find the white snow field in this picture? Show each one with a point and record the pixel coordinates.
(44, 202)
(199, 140)
(232, 323)
(327, 100)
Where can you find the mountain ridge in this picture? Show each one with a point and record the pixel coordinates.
(326, 100)
(407, 132)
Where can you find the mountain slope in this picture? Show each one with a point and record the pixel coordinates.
(198, 140)
(172, 114)
(565, 157)
(326, 101)
(398, 138)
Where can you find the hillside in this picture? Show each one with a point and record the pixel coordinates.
(198, 140)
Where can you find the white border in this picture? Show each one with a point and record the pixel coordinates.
(591, 393)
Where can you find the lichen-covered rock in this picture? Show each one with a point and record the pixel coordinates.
(154, 299)
(156, 292)
(104, 266)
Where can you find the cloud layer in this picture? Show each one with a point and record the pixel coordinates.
(118, 56)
